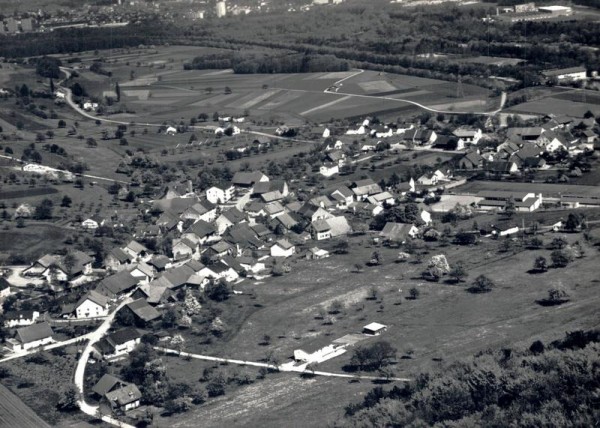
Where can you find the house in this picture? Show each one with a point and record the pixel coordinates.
(154, 294)
(274, 209)
(90, 106)
(285, 220)
(398, 232)
(382, 198)
(171, 130)
(471, 160)
(143, 271)
(4, 288)
(519, 134)
(124, 398)
(136, 250)
(178, 277)
(184, 248)
(20, 318)
(406, 187)
(202, 210)
(91, 305)
(315, 253)
(217, 271)
(343, 197)
(364, 188)
(283, 248)
(322, 201)
(329, 169)
(320, 132)
(432, 178)
(243, 237)
(118, 343)
(92, 223)
(142, 310)
(313, 212)
(160, 262)
(501, 167)
(321, 230)
(117, 259)
(57, 268)
(374, 329)
(218, 250)
(335, 146)
(468, 136)
(229, 218)
(247, 179)
(255, 209)
(106, 384)
(116, 284)
(270, 191)
(31, 337)
(200, 232)
(220, 193)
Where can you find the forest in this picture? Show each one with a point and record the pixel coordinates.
(554, 385)
(252, 63)
(375, 35)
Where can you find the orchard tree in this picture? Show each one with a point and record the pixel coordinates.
(458, 273)
(482, 284)
(540, 264)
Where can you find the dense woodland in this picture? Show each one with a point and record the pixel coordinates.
(374, 35)
(543, 386)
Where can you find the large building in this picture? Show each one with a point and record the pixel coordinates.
(572, 73)
(221, 9)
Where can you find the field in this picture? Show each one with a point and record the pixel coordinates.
(156, 87)
(443, 324)
(547, 189)
(560, 101)
(14, 413)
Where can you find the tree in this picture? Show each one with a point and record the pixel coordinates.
(91, 142)
(540, 264)
(557, 296)
(218, 291)
(43, 211)
(561, 258)
(62, 124)
(341, 247)
(482, 284)
(414, 293)
(573, 222)
(510, 209)
(458, 273)
(216, 386)
(227, 90)
(376, 258)
(216, 116)
(118, 91)
(373, 357)
(68, 399)
(558, 243)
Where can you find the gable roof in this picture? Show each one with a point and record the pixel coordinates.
(243, 235)
(120, 255)
(123, 335)
(177, 277)
(344, 191)
(34, 332)
(159, 261)
(95, 297)
(142, 309)
(106, 383)
(124, 395)
(396, 231)
(153, 292)
(284, 244)
(119, 282)
(339, 225)
(234, 215)
(269, 186)
(286, 220)
(321, 226)
(245, 178)
(201, 229)
(136, 247)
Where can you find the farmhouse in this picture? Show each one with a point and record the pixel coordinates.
(315, 253)
(91, 305)
(124, 398)
(153, 293)
(468, 136)
(365, 188)
(136, 250)
(20, 318)
(184, 248)
(202, 210)
(117, 259)
(117, 344)
(92, 223)
(142, 310)
(321, 230)
(248, 179)
(501, 167)
(116, 284)
(31, 337)
(498, 199)
(472, 160)
(313, 212)
(398, 232)
(563, 74)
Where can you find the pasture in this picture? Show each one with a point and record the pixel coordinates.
(547, 189)
(560, 101)
(444, 323)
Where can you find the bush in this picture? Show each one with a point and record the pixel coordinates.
(482, 284)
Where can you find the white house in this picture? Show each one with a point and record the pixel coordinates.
(283, 248)
(90, 106)
(20, 318)
(374, 329)
(118, 344)
(468, 136)
(219, 194)
(329, 169)
(32, 336)
(91, 305)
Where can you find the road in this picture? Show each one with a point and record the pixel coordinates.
(94, 337)
(281, 368)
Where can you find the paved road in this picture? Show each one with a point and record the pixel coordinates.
(281, 368)
(94, 337)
